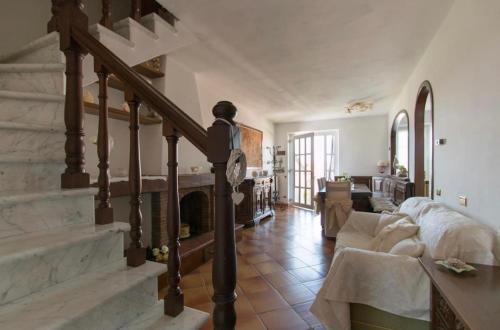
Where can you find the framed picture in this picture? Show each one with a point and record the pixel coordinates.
(251, 144)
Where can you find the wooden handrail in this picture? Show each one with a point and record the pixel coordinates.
(189, 128)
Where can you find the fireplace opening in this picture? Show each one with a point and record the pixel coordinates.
(194, 214)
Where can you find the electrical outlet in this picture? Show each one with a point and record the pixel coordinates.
(438, 192)
(462, 200)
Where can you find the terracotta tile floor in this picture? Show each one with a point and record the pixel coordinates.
(281, 266)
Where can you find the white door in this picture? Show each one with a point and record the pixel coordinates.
(303, 170)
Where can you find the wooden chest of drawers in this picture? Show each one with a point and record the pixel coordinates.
(465, 301)
(257, 203)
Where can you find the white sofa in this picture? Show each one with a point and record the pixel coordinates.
(396, 283)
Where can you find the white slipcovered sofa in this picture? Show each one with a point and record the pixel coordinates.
(394, 281)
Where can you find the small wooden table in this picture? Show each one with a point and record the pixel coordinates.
(467, 301)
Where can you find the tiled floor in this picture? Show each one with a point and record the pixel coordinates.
(281, 266)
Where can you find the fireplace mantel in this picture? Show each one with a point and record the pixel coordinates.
(158, 183)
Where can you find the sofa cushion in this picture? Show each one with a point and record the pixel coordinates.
(413, 206)
(411, 247)
(353, 239)
(380, 204)
(393, 234)
(449, 234)
(386, 219)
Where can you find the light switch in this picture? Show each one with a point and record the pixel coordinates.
(462, 200)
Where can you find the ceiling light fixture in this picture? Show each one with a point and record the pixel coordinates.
(359, 106)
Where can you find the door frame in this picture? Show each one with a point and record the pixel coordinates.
(424, 92)
(293, 170)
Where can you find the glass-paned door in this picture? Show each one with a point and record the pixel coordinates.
(303, 170)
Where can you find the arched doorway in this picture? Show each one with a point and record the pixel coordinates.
(424, 146)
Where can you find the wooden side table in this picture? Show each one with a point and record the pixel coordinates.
(464, 302)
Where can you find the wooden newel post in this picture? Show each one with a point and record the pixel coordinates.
(224, 262)
(136, 253)
(67, 15)
(104, 211)
(174, 300)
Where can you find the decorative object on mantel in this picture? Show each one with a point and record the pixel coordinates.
(255, 174)
(125, 107)
(111, 142)
(359, 106)
(382, 165)
(195, 169)
(88, 96)
(402, 171)
(456, 265)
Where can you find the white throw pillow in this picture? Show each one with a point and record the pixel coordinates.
(386, 219)
(393, 234)
(411, 247)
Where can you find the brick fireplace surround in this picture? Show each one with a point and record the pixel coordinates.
(203, 183)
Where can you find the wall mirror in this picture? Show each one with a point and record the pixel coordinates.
(400, 144)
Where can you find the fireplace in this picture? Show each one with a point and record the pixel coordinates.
(194, 213)
(196, 199)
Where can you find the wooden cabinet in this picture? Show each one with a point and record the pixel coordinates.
(465, 301)
(257, 203)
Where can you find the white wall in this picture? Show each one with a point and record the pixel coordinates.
(462, 64)
(210, 93)
(362, 143)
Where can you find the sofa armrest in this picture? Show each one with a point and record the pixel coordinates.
(363, 222)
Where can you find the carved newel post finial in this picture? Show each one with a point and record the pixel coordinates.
(225, 110)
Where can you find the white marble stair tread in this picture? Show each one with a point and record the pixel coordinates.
(31, 67)
(30, 127)
(37, 243)
(14, 197)
(126, 26)
(31, 96)
(81, 301)
(30, 263)
(49, 40)
(154, 319)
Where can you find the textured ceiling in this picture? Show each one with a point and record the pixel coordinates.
(294, 60)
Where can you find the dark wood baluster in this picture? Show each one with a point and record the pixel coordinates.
(135, 11)
(104, 211)
(106, 19)
(136, 253)
(174, 300)
(68, 14)
(224, 263)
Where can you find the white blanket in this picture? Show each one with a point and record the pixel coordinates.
(396, 284)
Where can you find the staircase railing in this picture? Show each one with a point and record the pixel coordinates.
(76, 42)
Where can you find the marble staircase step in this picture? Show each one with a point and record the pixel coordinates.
(32, 173)
(154, 319)
(32, 262)
(22, 213)
(105, 299)
(30, 140)
(32, 77)
(32, 108)
(41, 50)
